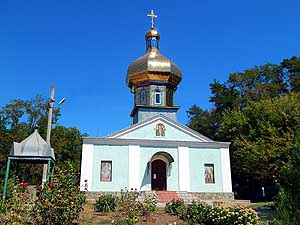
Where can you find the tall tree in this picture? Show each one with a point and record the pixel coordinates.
(262, 136)
(67, 143)
(256, 111)
(292, 69)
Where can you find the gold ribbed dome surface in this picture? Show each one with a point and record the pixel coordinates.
(153, 62)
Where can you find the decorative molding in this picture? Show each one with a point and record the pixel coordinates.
(155, 143)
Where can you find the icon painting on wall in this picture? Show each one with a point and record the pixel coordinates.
(106, 171)
(160, 130)
(209, 174)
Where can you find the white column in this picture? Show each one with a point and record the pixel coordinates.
(134, 167)
(226, 171)
(184, 169)
(86, 166)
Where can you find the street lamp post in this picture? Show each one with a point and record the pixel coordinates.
(49, 127)
(51, 103)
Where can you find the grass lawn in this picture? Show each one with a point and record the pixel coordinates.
(265, 210)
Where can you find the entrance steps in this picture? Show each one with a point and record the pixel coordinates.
(166, 196)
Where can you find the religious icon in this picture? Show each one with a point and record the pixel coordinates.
(209, 174)
(160, 130)
(106, 171)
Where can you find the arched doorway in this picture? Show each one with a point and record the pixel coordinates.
(158, 175)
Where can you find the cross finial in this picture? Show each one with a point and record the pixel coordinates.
(152, 15)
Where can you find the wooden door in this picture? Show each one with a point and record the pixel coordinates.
(158, 175)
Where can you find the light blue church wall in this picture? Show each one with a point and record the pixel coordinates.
(148, 132)
(199, 157)
(119, 157)
(145, 174)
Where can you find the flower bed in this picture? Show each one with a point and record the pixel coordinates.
(201, 213)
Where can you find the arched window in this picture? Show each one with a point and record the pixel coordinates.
(157, 96)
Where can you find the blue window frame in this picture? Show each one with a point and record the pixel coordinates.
(157, 96)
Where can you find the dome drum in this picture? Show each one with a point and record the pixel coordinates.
(143, 79)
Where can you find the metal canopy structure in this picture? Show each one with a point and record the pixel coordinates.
(33, 149)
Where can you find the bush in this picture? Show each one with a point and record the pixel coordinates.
(132, 208)
(106, 203)
(201, 213)
(60, 202)
(17, 205)
(175, 207)
(149, 203)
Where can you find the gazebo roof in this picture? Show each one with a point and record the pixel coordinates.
(33, 147)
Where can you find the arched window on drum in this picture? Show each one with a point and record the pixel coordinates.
(157, 96)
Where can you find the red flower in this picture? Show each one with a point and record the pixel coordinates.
(51, 185)
(25, 185)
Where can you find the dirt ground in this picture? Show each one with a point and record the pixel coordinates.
(90, 217)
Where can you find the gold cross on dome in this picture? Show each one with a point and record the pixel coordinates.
(152, 15)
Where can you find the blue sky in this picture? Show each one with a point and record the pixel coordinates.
(85, 47)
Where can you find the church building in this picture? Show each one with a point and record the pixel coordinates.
(155, 153)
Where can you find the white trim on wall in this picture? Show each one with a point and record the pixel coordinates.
(86, 166)
(134, 167)
(226, 171)
(183, 169)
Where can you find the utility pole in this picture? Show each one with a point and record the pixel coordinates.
(51, 103)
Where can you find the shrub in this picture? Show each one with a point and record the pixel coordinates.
(106, 203)
(175, 207)
(60, 202)
(201, 213)
(132, 208)
(129, 205)
(17, 205)
(149, 203)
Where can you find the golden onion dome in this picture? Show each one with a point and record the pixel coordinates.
(153, 62)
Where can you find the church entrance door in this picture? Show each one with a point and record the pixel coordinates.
(158, 175)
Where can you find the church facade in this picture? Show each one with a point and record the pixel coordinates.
(156, 153)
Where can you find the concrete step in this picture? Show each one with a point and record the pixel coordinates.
(166, 196)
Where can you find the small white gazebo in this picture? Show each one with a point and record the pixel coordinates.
(33, 149)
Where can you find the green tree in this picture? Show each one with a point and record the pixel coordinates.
(262, 135)
(257, 140)
(203, 121)
(292, 69)
(288, 199)
(18, 119)
(67, 143)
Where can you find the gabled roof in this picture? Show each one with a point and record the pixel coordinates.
(165, 119)
(33, 147)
